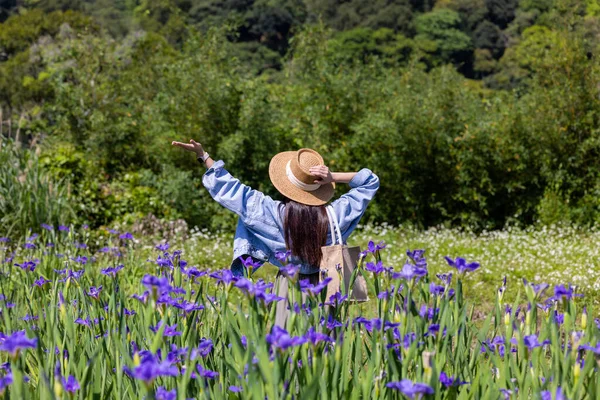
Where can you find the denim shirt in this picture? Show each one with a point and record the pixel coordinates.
(259, 231)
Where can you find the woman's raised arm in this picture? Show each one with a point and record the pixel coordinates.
(197, 148)
(227, 190)
(350, 207)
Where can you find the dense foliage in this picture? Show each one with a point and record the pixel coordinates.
(88, 317)
(472, 112)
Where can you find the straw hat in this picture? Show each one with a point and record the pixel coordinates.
(289, 173)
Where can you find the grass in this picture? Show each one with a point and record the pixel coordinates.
(554, 255)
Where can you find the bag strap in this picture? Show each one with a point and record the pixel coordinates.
(333, 226)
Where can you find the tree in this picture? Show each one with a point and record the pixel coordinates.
(441, 27)
(501, 12)
(489, 36)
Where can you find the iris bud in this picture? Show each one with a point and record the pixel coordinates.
(58, 389)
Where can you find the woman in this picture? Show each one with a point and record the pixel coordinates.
(299, 224)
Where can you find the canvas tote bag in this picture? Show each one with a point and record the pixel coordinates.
(340, 261)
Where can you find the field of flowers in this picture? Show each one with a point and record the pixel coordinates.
(95, 315)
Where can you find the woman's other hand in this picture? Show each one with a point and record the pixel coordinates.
(192, 146)
(322, 173)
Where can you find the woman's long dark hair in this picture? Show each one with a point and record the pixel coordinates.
(305, 231)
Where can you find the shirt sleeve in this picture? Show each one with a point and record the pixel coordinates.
(351, 206)
(233, 194)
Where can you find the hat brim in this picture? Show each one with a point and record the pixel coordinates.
(281, 182)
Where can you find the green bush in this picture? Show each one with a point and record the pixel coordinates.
(28, 195)
(448, 150)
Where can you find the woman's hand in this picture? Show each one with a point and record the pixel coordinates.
(322, 172)
(193, 146)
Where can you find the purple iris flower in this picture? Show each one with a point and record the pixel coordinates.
(428, 312)
(29, 246)
(280, 338)
(450, 381)
(4, 240)
(128, 312)
(193, 272)
(376, 269)
(95, 292)
(205, 373)
(372, 248)
(409, 272)
(410, 389)
(409, 339)
(87, 322)
(415, 254)
(159, 284)
(250, 263)
(461, 264)
(162, 247)
(169, 330)
(235, 389)
(386, 294)
(225, 276)
(252, 289)
(445, 278)
(28, 317)
(290, 271)
(48, 227)
(559, 318)
(70, 384)
(307, 287)
(558, 395)
(165, 261)
(538, 289)
(150, 368)
(17, 341)
(113, 231)
(6, 381)
(268, 298)
(546, 306)
(204, 348)
(531, 342)
(70, 274)
(315, 337)
(41, 281)
(432, 330)
(28, 265)
(336, 298)
(164, 394)
(33, 237)
(436, 290)
(126, 236)
(187, 306)
(80, 259)
(595, 350)
(506, 393)
(112, 270)
(63, 228)
(143, 298)
(562, 291)
(369, 324)
(283, 256)
(330, 323)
